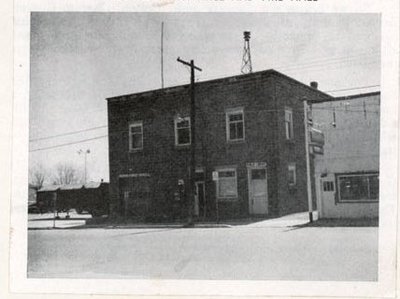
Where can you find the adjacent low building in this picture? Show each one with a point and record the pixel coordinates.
(91, 197)
(347, 175)
(249, 132)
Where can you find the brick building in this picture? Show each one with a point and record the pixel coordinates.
(249, 128)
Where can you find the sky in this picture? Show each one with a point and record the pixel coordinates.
(79, 59)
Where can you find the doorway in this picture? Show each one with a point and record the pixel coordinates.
(199, 199)
(258, 190)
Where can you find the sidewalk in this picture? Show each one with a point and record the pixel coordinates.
(77, 221)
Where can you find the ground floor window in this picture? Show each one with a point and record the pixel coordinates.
(227, 183)
(292, 174)
(358, 187)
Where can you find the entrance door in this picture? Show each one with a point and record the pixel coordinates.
(199, 199)
(258, 191)
(327, 204)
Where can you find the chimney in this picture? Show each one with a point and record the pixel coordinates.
(314, 84)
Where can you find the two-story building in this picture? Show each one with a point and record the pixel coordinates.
(249, 130)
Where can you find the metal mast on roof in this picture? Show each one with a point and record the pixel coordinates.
(246, 62)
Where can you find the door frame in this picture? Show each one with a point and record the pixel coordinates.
(197, 196)
(250, 167)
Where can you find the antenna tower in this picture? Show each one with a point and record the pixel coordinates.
(246, 62)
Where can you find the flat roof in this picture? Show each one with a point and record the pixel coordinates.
(223, 79)
(349, 97)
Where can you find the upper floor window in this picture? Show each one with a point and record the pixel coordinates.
(292, 174)
(289, 123)
(235, 125)
(182, 131)
(136, 136)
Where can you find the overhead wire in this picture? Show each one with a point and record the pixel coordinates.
(69, 143)
(68, 133)
(214, 113)
(105, 126)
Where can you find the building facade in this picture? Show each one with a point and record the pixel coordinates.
(347, 175)
(249, 133)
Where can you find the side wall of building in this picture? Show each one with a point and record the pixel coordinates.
(293, 198)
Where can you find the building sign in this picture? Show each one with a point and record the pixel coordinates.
(317, 141)
(256, 164)
(316, 150)
(135, 175)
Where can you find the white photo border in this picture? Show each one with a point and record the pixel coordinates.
(386, 284)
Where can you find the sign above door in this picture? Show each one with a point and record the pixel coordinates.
(256, 164)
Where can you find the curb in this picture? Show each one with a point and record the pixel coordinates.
(134, 226)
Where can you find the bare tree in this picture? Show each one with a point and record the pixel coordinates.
(66, 174)
(37, 175)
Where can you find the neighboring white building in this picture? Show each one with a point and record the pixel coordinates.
(347, 174)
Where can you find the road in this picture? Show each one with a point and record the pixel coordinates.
(254, 252)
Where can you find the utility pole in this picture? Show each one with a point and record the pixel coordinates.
(162, 54)
(192, 173)
(307, 145)
(85, 153)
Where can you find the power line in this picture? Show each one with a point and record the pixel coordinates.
(214, 113)
(311, 64)
(69, 143)
(362, 87)
(104, 126)
(68, 133)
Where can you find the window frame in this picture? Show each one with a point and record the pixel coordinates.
(231, 197)
(289, 131)
(131, 125)
(292, 167)
(176, 121)
(361, 174)
(229, 112)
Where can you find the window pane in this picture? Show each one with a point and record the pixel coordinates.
(292, 176)
(258, 174)
(236, 117)
(136, 129)
(137, 141)
(227, 187)
(354, 188)
(288, 116)
(183, 136)
(289, 124)
(328, 186)
(183, 124)
(287, 128)
(239, 128)
(232, 131)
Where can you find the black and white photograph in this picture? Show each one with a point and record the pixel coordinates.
(206, 146)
